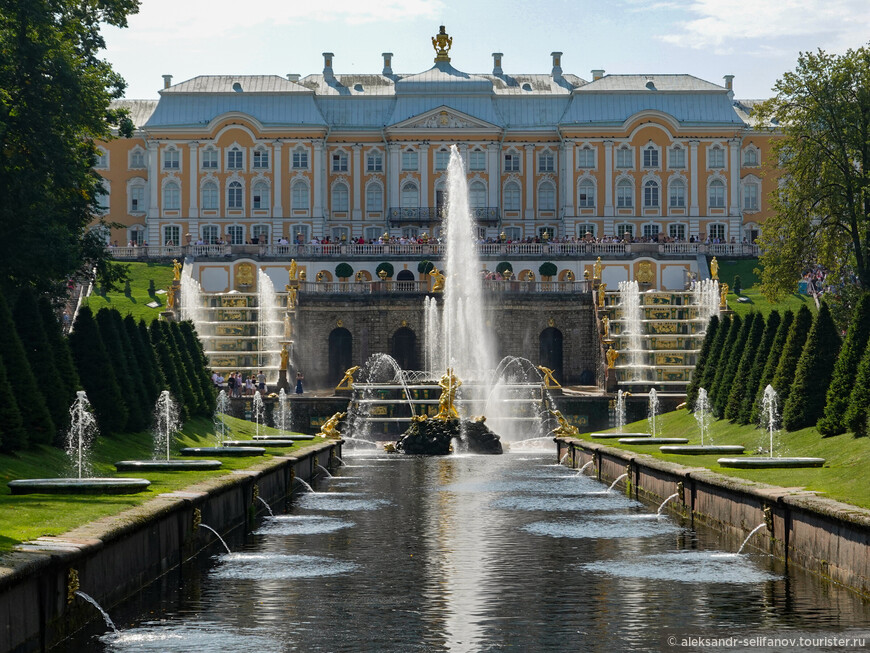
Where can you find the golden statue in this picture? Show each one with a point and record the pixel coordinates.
(606, 322)
(302, 275)
(170, 296)
(610, 356)
(506, 275)
(714, 269)
(549, 380)
(291, 296)
(601, 290)
(565, 428)
(596, 269)
(437, 280)
(723, 297)
(442, 44)
(346, 382)
(245, 274)
(644, 272)
(531, 276)
(330, 426)
(288, 328)
(359, 277)
(449, 384)
(285, 358)
(176, 270)
(293, 267)
(319, 277)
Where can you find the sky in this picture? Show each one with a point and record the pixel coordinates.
(754, 40)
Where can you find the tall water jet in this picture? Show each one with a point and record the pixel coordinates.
(221, 410)
(620, 411)
(190, 301)
(629, 303)
(80, 435)
(270, 327)
(706, 296)
(702, 413)
(166, 423)
(652, 417)
(258, 411)
(283, 412)
(770, 416)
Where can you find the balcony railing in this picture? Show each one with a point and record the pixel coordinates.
(425, 215)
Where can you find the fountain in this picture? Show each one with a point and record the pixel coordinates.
(770, 421)
(753, 532)
(93, 602)
(209, 528)
(665, 502)
(265, 503)
(221, 409)
(615, 481)
(270, 326)
(702, 417)
(80, 436)
(583, 468)
(621, 396)
(652, 419)
(166, 424)
(282, 415)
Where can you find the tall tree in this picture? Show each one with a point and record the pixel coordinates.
(703, 355)
(761, 355)
(709, 375)
(144, 353)
(12, 433)
(859, 400)
(728, 349)
(821, 211)
(136, 418)
(738, 387)
(770, 365)
(67, 382)
(54, 103)
(791, 353)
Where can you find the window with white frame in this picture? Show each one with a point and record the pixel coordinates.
(339, 161)
(651, 194)
(236, 234)
(586, 194)
(209, 196)
(583, 229)
(625, 230)
(409, 160)
(512, 196)
(650, 231)
(677, 231)
(410, 196)
(340, 198)
(677, 157)
(513, 233)
(442, 158)
(260, 233)
(374, 162)
(624, 158)
(717, 194)
(477, 195)
(546, 161)
(547, 197)
(260, 195)
(171, 235)
(715, 157)
(300, 158)
(171, 158)
(372, 233)
(210, 234)
(750, 196)
(102, 160)
(235, 159)
(717, 232)
(103, 199)
(261, 159)
(339, 233)
(512, 161)
(137, 198)
(677, 194)
(235, 195)
(137, 235)
(137, 159)
(171, 197)
(750, 156)
(624, 194)
(586, 157)
(209, 158)
(374, 198)
(299, 196)
(650, 157)
(477, 160)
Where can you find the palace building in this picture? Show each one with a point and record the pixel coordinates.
(254, 159)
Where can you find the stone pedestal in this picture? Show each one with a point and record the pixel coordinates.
(611, 382)
(283, 384)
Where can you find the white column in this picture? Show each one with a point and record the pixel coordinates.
(319, 174)
(277, 180)
(734, 175)
(356, 177)
(693, 181)
(608, 179)
(566, 177)
(494, 168)
(424, 175)
(530, 181)
(393, 168)
(194, 179)
(153, 220)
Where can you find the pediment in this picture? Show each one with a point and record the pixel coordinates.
(444, 117)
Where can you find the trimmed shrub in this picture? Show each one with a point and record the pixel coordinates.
(189, 386)
(200, 364)
(770, 365)
(845, 369)
(729, 362)
(125, 376)
(67, 381)
(159, 380)
(425, 267)
(736, 285)
(703, 355)
(548, 269)
(134, 367)
(343, 271)
(791, 353)
(712, 363)
(387, 267)
(160, 341)
(12, 433)
(739, 383)
(761, 354)
(806, 399)
(724, 356)
(503, 267)
(147, 363)
(857, 415)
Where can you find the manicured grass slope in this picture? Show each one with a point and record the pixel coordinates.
(745, 268)
(141, 274)
(844, 476)
(30, 516)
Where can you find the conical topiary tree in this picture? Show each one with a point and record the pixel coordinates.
(97, 373)
(731, 365)
(700, 364)
(806, 399)
(12, 434)
(857, 413)
(146, 360)
(134, 366)
(201, 369)
(187, 366)
(159, 380)
(845, 369)
(739, 383)
(791, 353)
(67, 381)
(112, 340)
(770, 365)
(761, 353)
(173, 382)
(710, 367)
(728, 349)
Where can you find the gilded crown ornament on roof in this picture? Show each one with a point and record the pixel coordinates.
(442, 44)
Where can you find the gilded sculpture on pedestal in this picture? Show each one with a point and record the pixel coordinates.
(611, 356)
(601, 290)
(714, 269)
(605, 321)
(437, 280)
(596, 269)
(449, 384)
(176, 270)
(285, 358)
(723, 296)
(644, 272)
(346, 382)
(565, 429)
(292, 270)
(549, 380)
(442, 44)
(330, 426)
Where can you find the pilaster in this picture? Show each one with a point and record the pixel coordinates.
(492, 155)
(153, 219)
(608, 182)
(277, 181)
(734, 177)
(193, 146)
(694, 210)
(530, 181)
(357, 175)
(566, 177)
(424, 174)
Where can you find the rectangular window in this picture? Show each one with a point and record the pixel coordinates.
(717, 232)
(546, 162)
(260, 234)
(511, 162)
(300, 159)
(624, 230)
(677, 157)
(209, 159)
(137, 159)
(586, 158)
(236, 235)
(650, 158)
(442, 158)
(374, 162)
(716, 157)
(624, 158)
(477, 160)
(171, 236)
(210, 234)
(170, 159)
(650, 231)
(583, 229)
(235, 159)
(137, 199)
(677, 231)
(261, 159)
(339, 162)
(750, 197)
(409, 160)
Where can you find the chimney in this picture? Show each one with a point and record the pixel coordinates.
(597, 74)
(388, 63)
(293, 77)
(729, 82)
(496, 63)
(327, 65)
(557, 65)
(167, 81)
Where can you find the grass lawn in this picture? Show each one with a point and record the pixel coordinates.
(141, 274)
(842, 478)
(30, 516)
(751, 282)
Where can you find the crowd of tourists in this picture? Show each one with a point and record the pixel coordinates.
(239, 385)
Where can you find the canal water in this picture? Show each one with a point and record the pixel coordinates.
(479, 553)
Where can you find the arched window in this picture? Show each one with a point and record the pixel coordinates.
(547, 197)
(678, 193)
(410, 196)
(512, 196)
(586, 194)
(136, 195)
(260, 195)
(171, 197)
(374, 198)
(651, 194)
(299, 196)
(137, 158)
(477, 195)
(750, 157)
(340, 200)
(624, 192)
(717, 194)
(209, 196)
(234, 195)
(715, 157)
